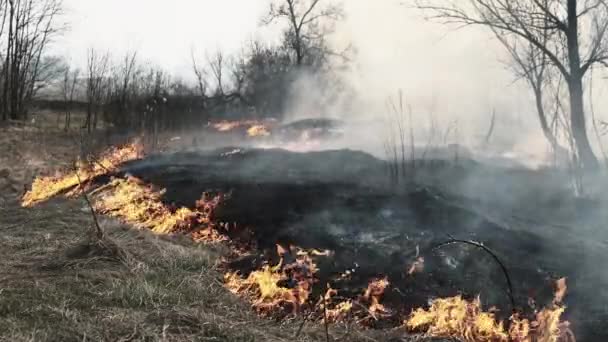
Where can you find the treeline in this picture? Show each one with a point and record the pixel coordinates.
(127, 93)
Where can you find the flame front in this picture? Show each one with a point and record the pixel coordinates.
(140, 205)
(286, 285)
(254, 128)
(373, 294)
(227, 126)
(258, 131)
(44, 188)
(458, 318)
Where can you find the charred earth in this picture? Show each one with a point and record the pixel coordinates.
(340, 201)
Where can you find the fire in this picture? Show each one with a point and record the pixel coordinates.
(373, 294)
(140, 205)
(340, 311)
(254, 128)
(286, 285)
(226, 126)
(44, 188)
(456, 317)
(258, 131)
(459, 318)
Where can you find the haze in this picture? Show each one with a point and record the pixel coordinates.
(458, 75)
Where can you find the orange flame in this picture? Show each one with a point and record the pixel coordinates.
(373, 294)
(137, 203)
(258, 131)
(287, 284)
(340, 311)
(456, 317)
(44, 188)
(226, 126)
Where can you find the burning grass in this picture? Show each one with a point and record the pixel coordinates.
(284, 287)
(258, 131)
(456, 317)
(287, 289)
(44, 188)
(137, 203)
(253, 128)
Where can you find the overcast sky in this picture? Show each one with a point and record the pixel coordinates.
(162, 31)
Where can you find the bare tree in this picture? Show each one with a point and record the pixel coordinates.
(532, 64)
(217, 65)
(201, 76)
(122, 89)
(97, 70)
(31, 26)
(68, 90)
(308, 21)
(568, 26)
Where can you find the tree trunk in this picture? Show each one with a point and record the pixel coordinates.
(7, 62)
(89, 117)
(579, 125)
(544, 124)
(95, 118)
(575, 88)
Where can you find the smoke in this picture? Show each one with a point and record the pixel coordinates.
(448, 77)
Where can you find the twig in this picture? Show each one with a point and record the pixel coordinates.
(489, 251)
(325, 317)
(98, 229)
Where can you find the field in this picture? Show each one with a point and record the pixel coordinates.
(390, 250)
(56, 285)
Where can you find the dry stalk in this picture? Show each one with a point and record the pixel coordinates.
(98, 229)
(489, 251)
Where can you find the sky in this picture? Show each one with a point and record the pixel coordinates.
(163, 32)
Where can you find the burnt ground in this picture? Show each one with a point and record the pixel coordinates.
(58, 284)
(340, 200)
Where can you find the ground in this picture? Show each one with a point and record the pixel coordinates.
(57, 283)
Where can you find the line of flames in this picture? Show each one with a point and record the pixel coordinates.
(139, 204)
(287, 286)
(44, 188)
(254, 128)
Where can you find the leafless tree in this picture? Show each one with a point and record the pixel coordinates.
(568, 26)
(30, 26)
(309, 21)
(201, 76)
(97, 72)
(228, 75)
(123, 88)
(68, 90)
(533, 65)
(217, 65)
